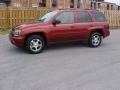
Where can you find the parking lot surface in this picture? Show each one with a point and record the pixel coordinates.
(72, 66)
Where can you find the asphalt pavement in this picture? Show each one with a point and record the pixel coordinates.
(72, 66)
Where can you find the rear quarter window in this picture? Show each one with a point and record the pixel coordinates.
(99, 16)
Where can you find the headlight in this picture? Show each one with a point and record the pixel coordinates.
(16, 33)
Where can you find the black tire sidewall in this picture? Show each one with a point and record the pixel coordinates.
(29, 39)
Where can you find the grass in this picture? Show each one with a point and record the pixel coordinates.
(4, 31)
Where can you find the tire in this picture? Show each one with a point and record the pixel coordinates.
(95, 39)
(35, 44)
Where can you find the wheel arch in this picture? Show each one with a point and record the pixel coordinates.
(42, 34)
(97, 30)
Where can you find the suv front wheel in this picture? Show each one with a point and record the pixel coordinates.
(35, 44)
(95, 39)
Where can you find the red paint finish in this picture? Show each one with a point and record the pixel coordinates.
(60, 32)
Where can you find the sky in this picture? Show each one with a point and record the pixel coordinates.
(114, 1)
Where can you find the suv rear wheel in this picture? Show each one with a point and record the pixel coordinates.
(95, 39)
(35, 44)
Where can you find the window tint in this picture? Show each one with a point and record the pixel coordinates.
(99, 16)
(42, 3)
(54, 3)
(47, 16)
(78, 3)
(71, 3)
(84, 16)
(66, 18)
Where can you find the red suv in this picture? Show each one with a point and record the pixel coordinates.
(61, 26)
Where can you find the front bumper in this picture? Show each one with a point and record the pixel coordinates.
(18, 41)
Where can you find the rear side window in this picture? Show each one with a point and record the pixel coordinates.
(99, 17)
(83, 17)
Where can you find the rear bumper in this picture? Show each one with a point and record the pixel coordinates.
(106, 33)
(18, 41)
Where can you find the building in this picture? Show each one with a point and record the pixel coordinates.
(101, 5)
(5, 2)
(89, 4)
(46, 3)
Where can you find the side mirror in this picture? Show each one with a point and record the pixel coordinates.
(56, 22)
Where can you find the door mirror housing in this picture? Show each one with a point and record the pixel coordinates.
(56, 22)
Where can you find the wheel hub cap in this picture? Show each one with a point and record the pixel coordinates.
(96, 40)
(35, 45)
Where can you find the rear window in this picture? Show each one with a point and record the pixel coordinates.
(99, 16)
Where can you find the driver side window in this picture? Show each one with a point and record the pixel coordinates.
(66, 18)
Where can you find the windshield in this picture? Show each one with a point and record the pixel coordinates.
(47, 16)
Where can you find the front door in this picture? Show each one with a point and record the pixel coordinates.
(83, 24)
(64, 31)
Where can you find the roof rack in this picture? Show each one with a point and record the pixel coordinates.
(75, 9)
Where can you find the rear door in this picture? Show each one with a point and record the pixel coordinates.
(83, 23)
